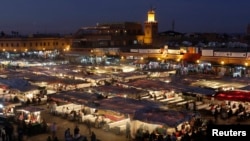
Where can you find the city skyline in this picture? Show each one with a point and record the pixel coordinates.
(64, 16)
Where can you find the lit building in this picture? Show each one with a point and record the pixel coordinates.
(131, 41)
(117, 34)
(108, 35)
(150, 28)
(34, 43)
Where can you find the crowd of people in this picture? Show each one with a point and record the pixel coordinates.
(71, 134)
(194, 130)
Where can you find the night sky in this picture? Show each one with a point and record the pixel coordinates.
(66, 16)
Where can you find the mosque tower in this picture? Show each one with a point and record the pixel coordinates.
(150, 27)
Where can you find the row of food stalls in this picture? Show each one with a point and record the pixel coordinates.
(39, 82)
(33, 88)
(141, 89)
(115, 114)
(124, 93)
(138, 116)
(229, 98)
(153, 87)
(126, 77)
(13, 92)
(230, 102)
(142, 115)
(121, 113)
(120, 102)
(118, 91)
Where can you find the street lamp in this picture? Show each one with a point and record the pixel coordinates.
(125, 96)
(222, 62)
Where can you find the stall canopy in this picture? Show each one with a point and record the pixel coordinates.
(119, 91)
(18, 84)
(146, 84)
(3, 86)
(74, 97)
(190, 90)
(170, 118)
(124, 105)
(236, 95)
(31, 109)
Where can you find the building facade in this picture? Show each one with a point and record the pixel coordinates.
(34, 43)
(130, 40)
(108, 35)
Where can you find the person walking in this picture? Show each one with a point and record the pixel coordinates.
(20, 132)
(93, 136)
(55, 138)
(128, 130)
(89, 126)
(67, 134)
(53, 129)
(76, 132)
(49, 138)
(9, 129)
(3, 134)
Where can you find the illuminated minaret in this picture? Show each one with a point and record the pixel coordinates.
(150, 28)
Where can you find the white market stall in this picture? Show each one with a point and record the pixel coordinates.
(160, 120)
(29, 114)
(119, 110)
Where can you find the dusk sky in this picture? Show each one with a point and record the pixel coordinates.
(66, 16)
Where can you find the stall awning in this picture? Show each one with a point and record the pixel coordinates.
(170, 118)
(31, 109)
(236, 95)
